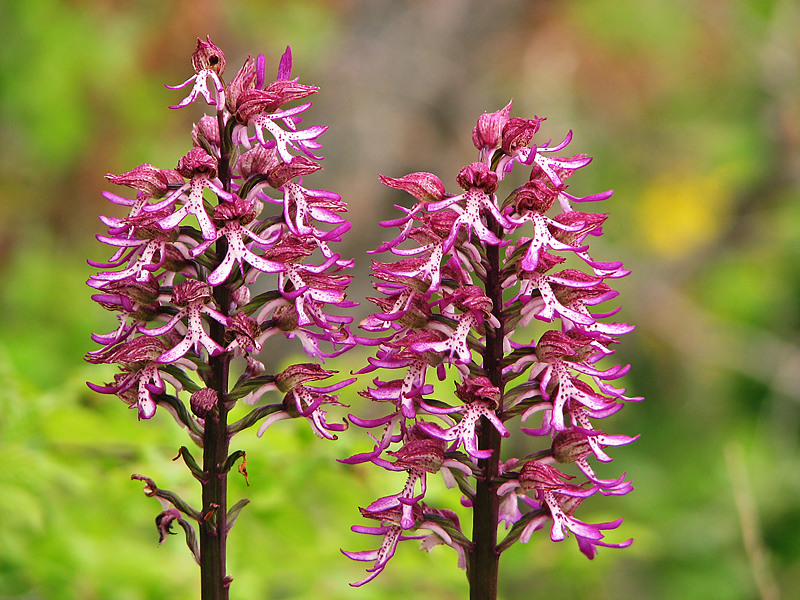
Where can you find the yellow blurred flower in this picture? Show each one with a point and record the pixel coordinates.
(680, 214)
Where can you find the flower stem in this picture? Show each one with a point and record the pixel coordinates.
(484, 558)
(214, 581)
(213, 535)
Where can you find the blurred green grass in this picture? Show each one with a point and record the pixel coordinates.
(692, 112)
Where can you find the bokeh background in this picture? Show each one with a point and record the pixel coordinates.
(691, 109)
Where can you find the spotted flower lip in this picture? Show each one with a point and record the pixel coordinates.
(306, 401)
(463, 434)
(193, 300)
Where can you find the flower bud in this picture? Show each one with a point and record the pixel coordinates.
(239, 297)
(487, 133)
(478, 175)
(517, 133)
(197, 160)
(203, 402)
(205, 133)
(293, 376)
(537, 475)
(570, 445)
(425, 187)
(148, 179)
(426, 454)
(190, 290)
(286, 317)
(208, 57)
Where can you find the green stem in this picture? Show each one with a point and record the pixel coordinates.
(484, 560)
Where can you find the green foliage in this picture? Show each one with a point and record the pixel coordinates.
(690, 110)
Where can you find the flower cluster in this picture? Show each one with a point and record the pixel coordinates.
(180, 278)
(473, 272)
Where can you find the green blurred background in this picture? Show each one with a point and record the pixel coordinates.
(691, 109)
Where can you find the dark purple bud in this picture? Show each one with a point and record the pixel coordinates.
(203, 402)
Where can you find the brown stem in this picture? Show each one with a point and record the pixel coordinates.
(484, 560)
(214, 581)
